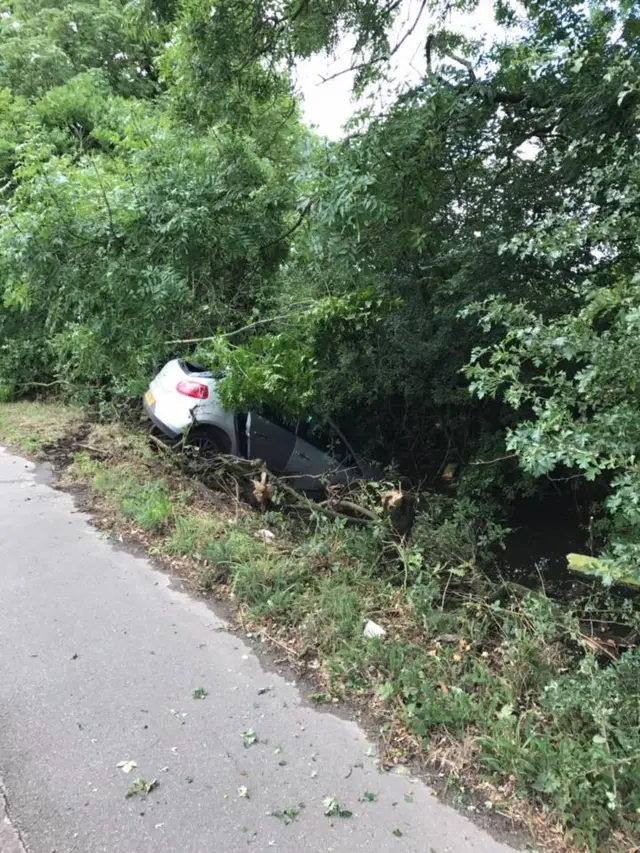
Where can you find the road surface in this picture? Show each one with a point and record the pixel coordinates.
(100, 656)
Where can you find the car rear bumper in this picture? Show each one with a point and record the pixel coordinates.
(156, 421)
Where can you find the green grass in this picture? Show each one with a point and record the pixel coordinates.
(148, 504)
(218, 547)
(507, 674)
(29, 426)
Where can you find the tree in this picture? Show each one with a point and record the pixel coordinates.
(124, 227)
(160, 195)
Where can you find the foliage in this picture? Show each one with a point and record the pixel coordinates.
(160, 196)
(124, 227)
(46, 44)
(563, 357)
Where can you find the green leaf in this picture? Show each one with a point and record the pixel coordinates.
(547, 782)
(200, 693)
(332, 808)
(249, 737)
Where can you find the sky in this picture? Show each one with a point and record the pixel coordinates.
(328, 105)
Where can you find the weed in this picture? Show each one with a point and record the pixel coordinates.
(190, 534)
(319, 698)
(84, 466)
(270, 584)
(216, 548)
(148, 504)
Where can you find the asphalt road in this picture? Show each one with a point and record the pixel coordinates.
(99, 658)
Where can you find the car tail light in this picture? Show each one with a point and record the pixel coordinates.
(192, 389)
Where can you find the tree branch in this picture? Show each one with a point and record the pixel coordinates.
(462, 61)
(539, 132)
(506, 97)
(503, 97)
(428, 49)
(493, 461)
(358, 67)
(106, 201)
(294, 227)
(237, 331)
(387, 56)
(410, 31)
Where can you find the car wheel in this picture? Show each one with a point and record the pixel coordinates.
(204, 442)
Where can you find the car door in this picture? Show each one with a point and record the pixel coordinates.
(270, 439)
(319, 457)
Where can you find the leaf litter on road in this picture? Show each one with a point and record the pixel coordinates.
(127, 766)
(287, 816)
(243, 792)
(332, 808)
(141, 787)
(249, 737)
(200, 693)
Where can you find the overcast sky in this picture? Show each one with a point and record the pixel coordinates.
(329, 105)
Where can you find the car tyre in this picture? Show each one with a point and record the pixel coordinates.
(205, 442)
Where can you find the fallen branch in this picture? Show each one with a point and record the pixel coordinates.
(92, 449)
(349, 505)
(247, 469)
(599, 646)
(46, 384)
(301, 501)
(160, 444)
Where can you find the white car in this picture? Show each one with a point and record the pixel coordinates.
(182, 400)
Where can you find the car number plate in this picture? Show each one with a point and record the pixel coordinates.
(150, 398)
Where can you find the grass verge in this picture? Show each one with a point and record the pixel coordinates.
(31, 426)
(513, 694)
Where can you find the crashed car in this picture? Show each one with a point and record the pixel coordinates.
(182, 401)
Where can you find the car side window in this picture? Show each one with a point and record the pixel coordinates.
(274, 417)
(324, 437)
